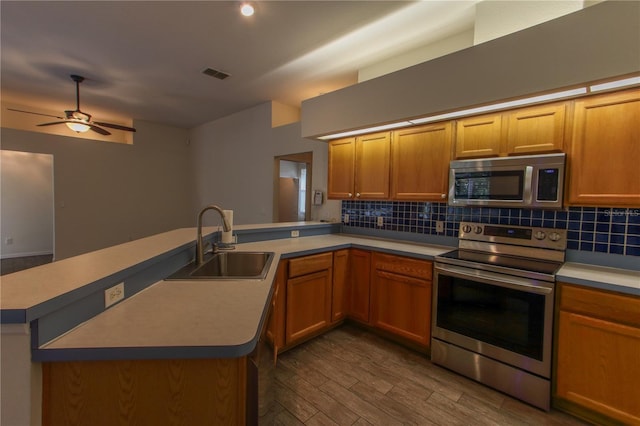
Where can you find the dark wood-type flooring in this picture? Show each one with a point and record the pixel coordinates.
(350, 376)
(15, 264)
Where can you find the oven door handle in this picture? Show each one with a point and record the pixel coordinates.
(493, 279)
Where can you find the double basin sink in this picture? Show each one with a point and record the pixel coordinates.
(235, 265)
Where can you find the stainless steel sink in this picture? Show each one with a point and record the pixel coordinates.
(236, 265)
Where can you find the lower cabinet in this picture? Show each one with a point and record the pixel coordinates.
(309, 289)
(358, 288)
(598, 355)
(340, 282)
(401, 297)
(147, 392)
(382, 291)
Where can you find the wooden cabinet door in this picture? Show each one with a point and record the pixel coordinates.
(308, 305)
(401, 297)
(537, 129)
(358, 285)
(598, 366)
(479, 136)
(420, 162)
(340, 279)
(604, 151)
(373, 159)
(276, 326)
(341, 169)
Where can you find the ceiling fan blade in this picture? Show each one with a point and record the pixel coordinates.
(91, 126)
(115, 126)
(35, 113)
(98, 129)
(51, 124)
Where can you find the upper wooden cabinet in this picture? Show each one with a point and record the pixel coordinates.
(604, 151)
(537, 129)
(359, 167)
(420, 162)
(530, 130)
(342, 157)
(479, 136)
(373, 160)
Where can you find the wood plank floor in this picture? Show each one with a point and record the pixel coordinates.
(350, 376)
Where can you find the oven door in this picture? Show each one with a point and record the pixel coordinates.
(503, 317)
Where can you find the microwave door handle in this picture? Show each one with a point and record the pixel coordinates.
(527, 196)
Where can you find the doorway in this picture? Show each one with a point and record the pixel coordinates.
(292, 187)
(27, 210)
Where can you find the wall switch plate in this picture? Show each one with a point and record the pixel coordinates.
(439, 226)
(295, 234)
(114, 294)
(346, 218)
(380, 221)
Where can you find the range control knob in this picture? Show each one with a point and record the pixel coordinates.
(466, 228)
(555, 236)
(478, 230)
(539, 235)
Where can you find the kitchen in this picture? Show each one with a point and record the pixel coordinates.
(229, 129)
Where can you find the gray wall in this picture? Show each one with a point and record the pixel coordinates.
(110, 193)
(598, 42)
(233, 159)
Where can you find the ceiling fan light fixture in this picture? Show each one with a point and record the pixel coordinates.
(247, 9)
(78, 127)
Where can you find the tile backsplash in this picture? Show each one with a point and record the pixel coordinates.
(601, 229)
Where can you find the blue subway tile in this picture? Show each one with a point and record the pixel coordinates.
(632, 251)
(616, 249)
(572, 245)
(602, 248)
(588, 226)
(585, 246)
(633, 240)
(618, 228)
(616, 238)
(586, 236)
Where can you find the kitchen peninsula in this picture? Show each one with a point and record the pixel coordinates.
(55, 313)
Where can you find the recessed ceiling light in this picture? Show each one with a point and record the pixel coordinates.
(246, 9)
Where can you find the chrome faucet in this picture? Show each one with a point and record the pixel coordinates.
(199, 244)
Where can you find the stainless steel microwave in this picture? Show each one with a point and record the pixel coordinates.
(529, 181)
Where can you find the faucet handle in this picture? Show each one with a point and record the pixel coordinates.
(224, 246)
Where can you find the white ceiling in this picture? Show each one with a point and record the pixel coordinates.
(144, 59)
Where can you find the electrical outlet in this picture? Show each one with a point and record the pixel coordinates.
(8, 241)
(380, 221)
(346, 218)
(113, 295)
(439, 226)
(295, 234)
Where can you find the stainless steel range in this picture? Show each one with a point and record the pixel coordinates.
(493, 307)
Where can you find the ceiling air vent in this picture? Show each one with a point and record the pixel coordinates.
(215, 73)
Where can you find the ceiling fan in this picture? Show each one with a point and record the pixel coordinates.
(77, 120)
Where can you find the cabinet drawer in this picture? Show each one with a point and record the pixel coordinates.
(601, 304)
(308, 264)
(404, 265)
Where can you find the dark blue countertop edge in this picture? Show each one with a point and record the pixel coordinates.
(130, 353)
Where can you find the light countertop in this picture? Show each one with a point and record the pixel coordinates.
(204, 318)
(602, 277)
(217, 318)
